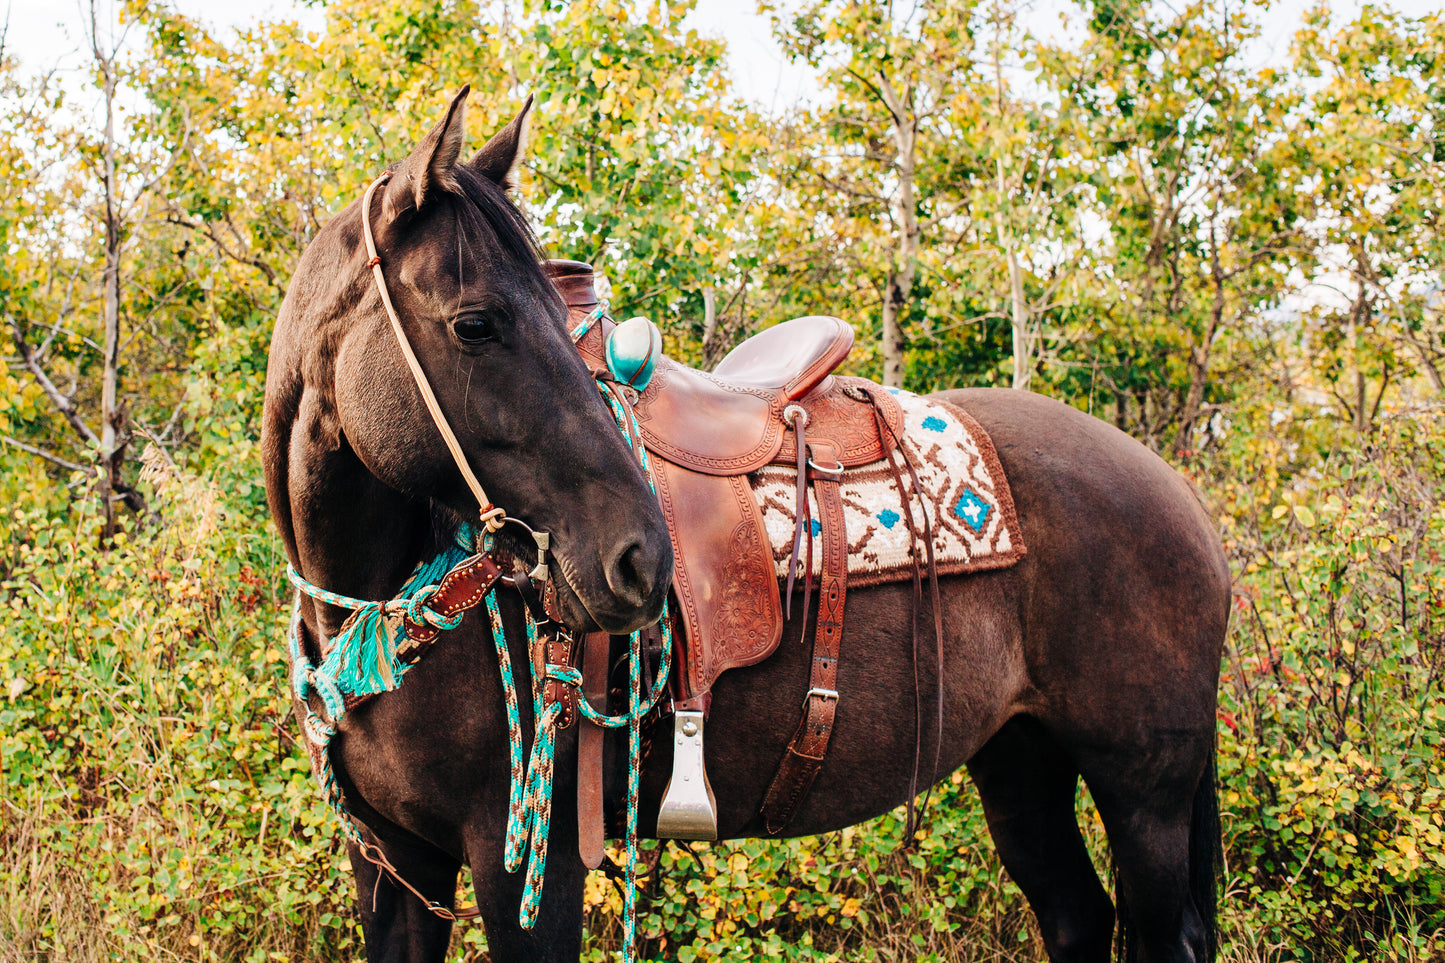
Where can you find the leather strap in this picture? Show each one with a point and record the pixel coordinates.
(805, 753)
(557, 650)
(491, 515)
(907, 496)
(463, 588)
(800, 512)
(591, 836)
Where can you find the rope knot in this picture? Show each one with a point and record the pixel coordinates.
(417, 610)
(493, 518)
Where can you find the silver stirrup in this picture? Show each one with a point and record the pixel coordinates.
(689, 809)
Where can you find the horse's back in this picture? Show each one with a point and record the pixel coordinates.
(1125, 585)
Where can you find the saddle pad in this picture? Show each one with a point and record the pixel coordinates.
(965, 494)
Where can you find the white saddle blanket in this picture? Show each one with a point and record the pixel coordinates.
(964, 495)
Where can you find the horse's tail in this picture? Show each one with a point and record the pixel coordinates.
(1206, 858)
(1206, 854)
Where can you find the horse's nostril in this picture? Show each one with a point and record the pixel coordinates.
(629, 576)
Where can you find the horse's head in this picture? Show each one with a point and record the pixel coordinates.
(489, 331)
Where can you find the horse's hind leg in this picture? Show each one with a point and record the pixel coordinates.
(397, 926)
(1027, 785)
(1151, 799)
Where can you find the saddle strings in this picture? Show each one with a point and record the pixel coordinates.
(915, 809)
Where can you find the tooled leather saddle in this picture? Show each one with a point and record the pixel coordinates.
(774, 399)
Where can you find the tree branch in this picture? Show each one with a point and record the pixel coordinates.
(62, 403)
(48, 456)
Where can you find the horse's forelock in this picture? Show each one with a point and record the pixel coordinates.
(486, 208)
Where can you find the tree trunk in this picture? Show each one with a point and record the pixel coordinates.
(1023, 347)
(1023, 336)
(111, 443)
(1199, 354)
(904, 266)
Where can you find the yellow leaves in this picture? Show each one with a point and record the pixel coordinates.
(1292, 505)
(1406, 847)
(851, 906)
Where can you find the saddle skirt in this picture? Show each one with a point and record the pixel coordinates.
(964, 493)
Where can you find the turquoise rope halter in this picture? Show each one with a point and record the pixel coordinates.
(361, 661)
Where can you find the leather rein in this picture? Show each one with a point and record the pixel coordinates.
(492, 517)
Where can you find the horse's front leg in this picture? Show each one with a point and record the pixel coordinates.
(557, 935)
(396, 923)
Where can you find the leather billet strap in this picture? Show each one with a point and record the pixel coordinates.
(491, 516)
(805, 753)
(591, 835)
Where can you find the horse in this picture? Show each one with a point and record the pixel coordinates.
(1096, 657)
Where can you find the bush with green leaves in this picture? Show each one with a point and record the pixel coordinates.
(1333, 702)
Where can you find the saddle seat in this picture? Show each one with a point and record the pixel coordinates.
(792, 357)
(705, 433)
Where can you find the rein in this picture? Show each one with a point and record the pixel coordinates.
(491, 516)
(380, 641)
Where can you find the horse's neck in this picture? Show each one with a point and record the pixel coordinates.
(354, 535)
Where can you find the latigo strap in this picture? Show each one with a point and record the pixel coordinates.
(805, 753)
(591, 836)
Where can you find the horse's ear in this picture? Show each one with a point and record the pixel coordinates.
(429, 167)
(500, 157)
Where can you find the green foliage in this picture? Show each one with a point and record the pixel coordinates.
(154, 800)
(1332, 705)
(1175, 211)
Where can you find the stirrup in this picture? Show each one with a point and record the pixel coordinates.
(689, 809)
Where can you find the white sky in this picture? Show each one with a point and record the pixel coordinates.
(47, 33)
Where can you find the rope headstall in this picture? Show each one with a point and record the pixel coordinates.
(381, 640)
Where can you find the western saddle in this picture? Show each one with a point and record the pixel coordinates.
(772, 400)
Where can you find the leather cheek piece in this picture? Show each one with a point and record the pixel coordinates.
(463, 588)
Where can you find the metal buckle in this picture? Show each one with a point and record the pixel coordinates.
(838, 470)
(821, 693)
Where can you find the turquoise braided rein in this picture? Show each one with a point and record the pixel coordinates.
(360, 661)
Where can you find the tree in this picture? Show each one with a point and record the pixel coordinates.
(1187, 154)
(893, 75)
(1372, 118)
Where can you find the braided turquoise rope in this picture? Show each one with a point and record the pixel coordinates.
(361, 660)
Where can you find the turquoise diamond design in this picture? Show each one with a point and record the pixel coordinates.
(972, 510)
(933, 423)
(888, 517)
(816, 526)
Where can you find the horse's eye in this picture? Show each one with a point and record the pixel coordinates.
(473, 329)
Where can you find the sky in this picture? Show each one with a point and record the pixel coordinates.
(47, 33)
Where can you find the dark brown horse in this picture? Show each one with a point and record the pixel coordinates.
(1096, 657)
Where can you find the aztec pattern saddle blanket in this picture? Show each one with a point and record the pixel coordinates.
(970, 509)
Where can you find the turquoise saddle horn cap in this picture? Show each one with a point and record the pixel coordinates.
(632, 352)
